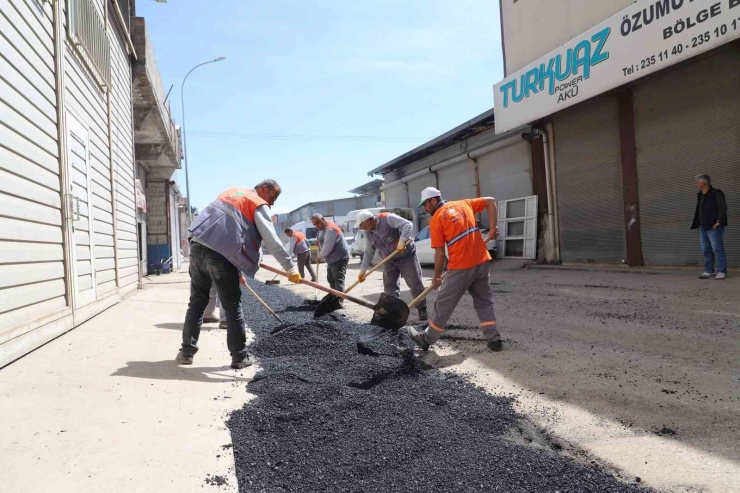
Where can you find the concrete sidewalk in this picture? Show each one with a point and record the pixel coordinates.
(106, 408)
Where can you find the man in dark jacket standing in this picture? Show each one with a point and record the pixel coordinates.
(710, 218)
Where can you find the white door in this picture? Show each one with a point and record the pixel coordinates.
(517, 220)
(78, 206)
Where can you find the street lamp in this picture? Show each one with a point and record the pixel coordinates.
(184, 138)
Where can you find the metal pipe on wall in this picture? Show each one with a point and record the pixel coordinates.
(552, 191)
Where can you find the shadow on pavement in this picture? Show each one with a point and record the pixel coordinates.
(178, 326)
(170, 370)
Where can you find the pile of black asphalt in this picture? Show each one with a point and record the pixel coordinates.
(331, 415)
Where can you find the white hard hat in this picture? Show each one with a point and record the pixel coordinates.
(363, 216)
(429, 193)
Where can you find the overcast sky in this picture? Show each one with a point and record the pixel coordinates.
(316, 93)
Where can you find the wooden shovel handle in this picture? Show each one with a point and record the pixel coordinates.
(423, 294)
(380, 264)
(318, 286)
(263, 302)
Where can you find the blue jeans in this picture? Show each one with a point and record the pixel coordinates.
(209, 268)
(711, 245)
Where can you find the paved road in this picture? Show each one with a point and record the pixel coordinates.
(640, 370)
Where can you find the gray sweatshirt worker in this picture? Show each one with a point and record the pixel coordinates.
(387, 232)
(333, 249)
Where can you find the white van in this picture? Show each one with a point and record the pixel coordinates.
(350, 228)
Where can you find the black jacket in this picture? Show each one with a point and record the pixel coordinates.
(713, 211)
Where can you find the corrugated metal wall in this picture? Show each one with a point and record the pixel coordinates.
(396, 197)
(687, 121)
(588, 165)
(123, 158)
(32, 273)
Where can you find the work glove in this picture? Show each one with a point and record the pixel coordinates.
(362, 276)
(294, 276)
(401, 246)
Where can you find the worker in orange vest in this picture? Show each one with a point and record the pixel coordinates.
(302, 250)
(226, 238)
(333, 248)
(454, 226)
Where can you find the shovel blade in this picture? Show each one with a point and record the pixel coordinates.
(328, 304)
(391, 313)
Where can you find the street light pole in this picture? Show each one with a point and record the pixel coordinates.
(184, 137)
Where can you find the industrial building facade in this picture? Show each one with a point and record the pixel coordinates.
(471, 160)
(69, 214)
(635, 100)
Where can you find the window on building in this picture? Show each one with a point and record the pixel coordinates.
(86, 29)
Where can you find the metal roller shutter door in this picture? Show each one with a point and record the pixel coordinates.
(589, 182)
(687, 121)
(507, 172)
(458, 181)
(419, 184)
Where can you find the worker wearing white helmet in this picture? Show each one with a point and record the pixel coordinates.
(454, 233)
(387, 232)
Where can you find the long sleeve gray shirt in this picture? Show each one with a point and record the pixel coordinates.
(272, 242)
(404, 226)
(327, 238)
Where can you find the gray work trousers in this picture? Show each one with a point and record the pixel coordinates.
(214, 303)
(475, 281)
(410, 269)
(336, 272)
(304, 259)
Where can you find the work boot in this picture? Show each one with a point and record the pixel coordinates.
(495, 346)
(418, 337)
(238, 365)
(721, 277)
(223, 325)
(183, 359)
(422, 311)
(706, 275)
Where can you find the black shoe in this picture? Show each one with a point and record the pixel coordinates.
(223, 325)
(209, 320)
(238, 365)
(495, 346)
(422, 311)
(184, 360)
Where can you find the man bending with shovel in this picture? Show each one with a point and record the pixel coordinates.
(390, 234)
(227, 238)
(453, 226)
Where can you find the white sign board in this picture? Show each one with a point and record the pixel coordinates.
(644, 38)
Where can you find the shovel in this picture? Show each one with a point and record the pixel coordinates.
(390, 313)
(378, 333)
(380, 264)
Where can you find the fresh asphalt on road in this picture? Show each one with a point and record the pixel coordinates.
(637, 370)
